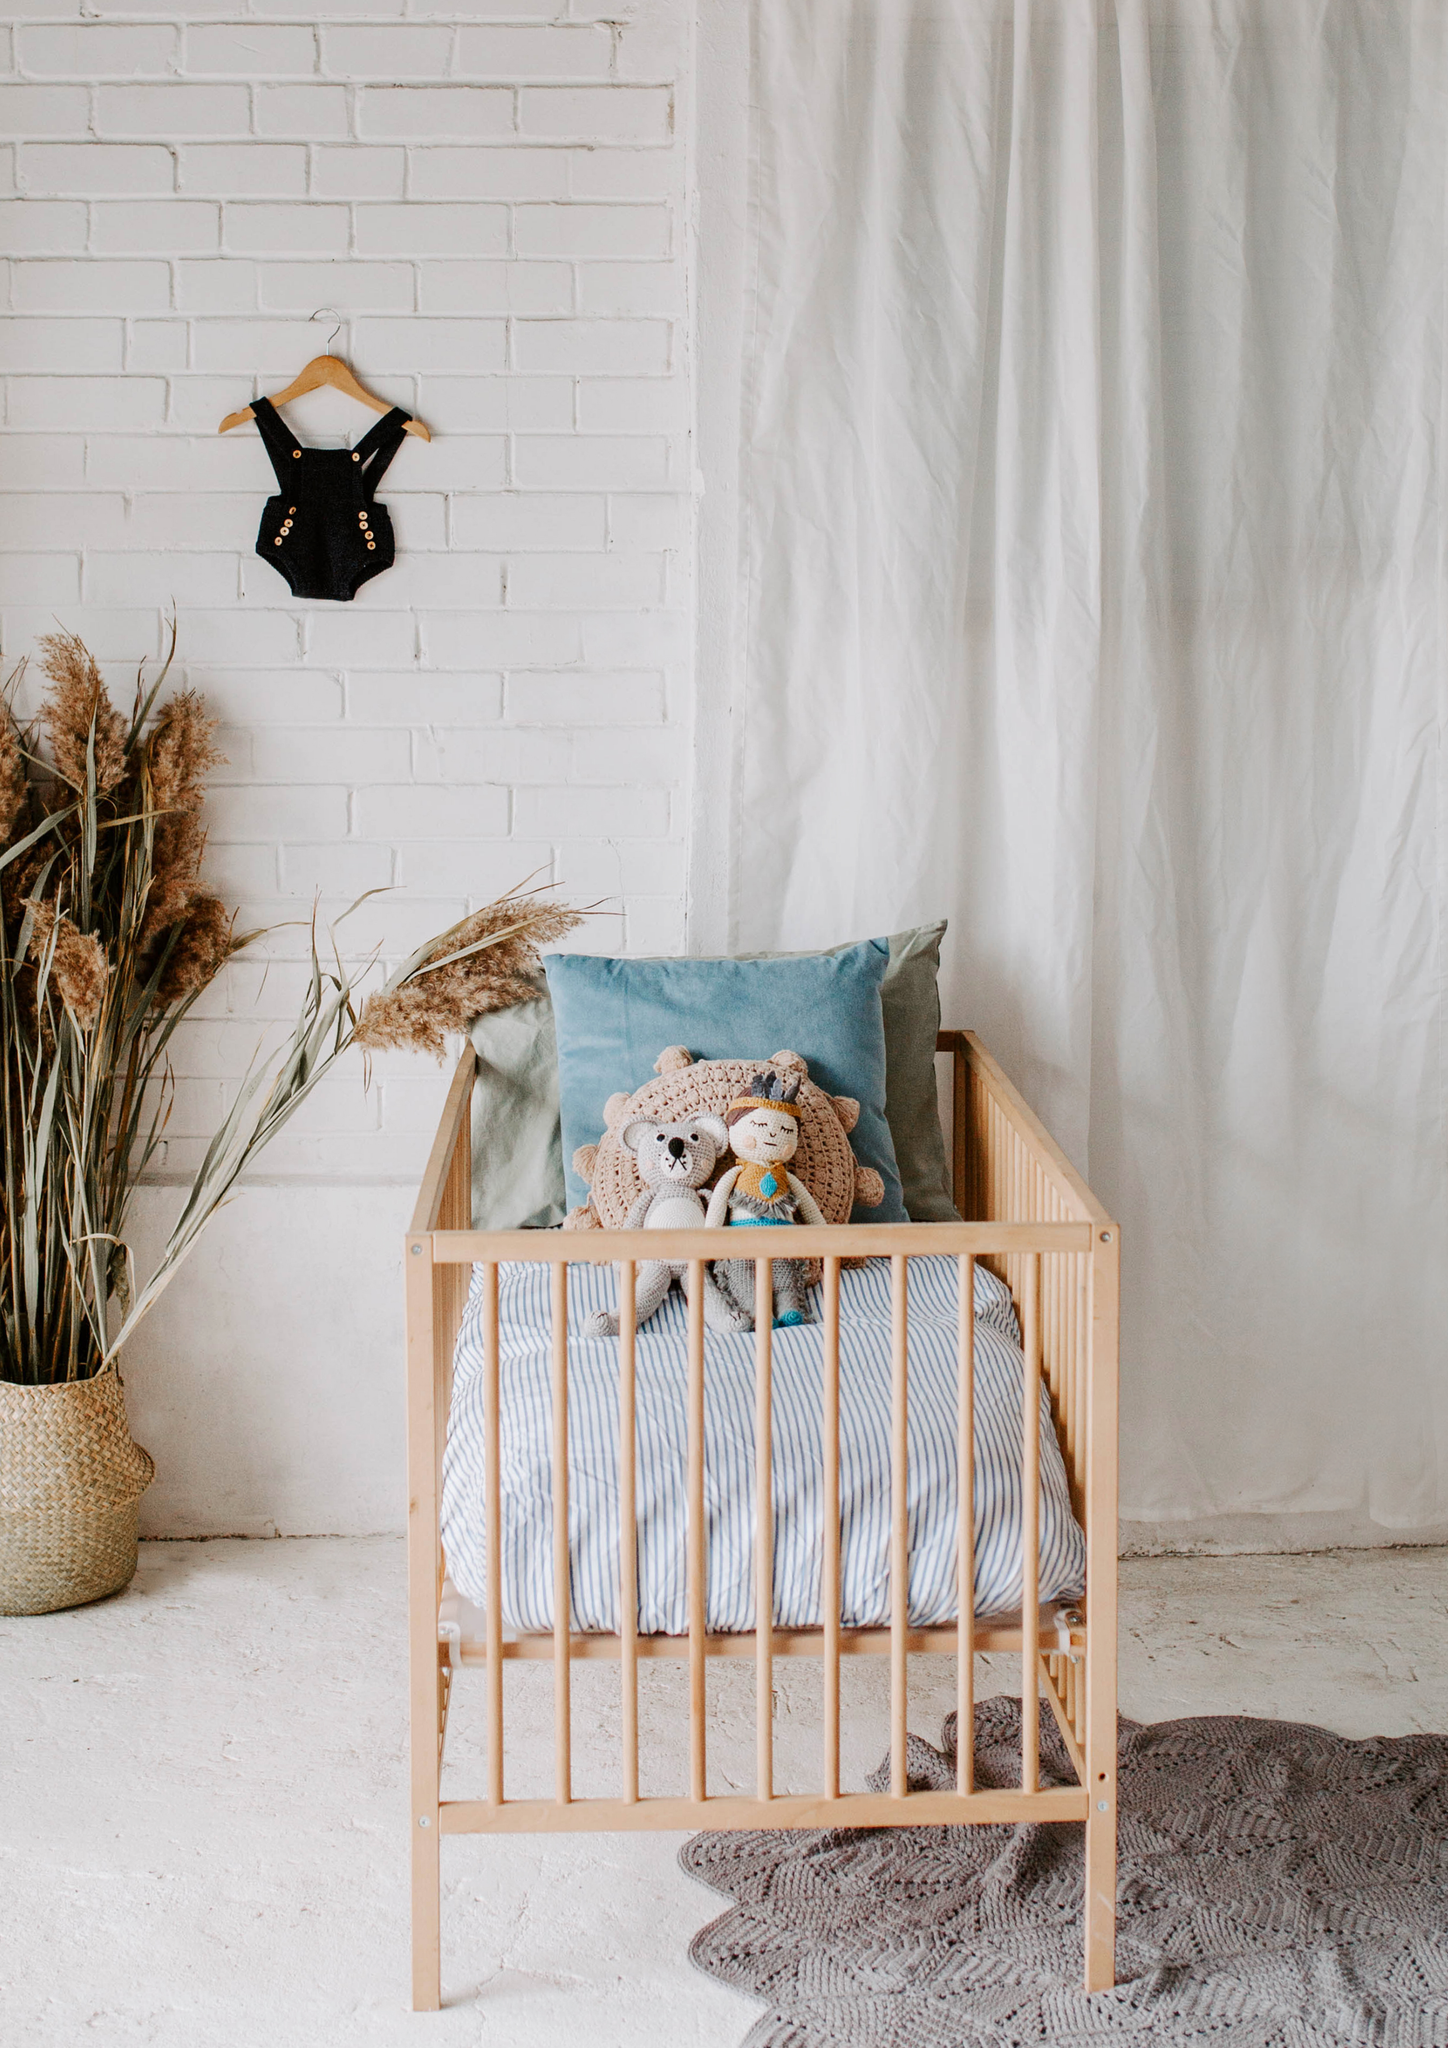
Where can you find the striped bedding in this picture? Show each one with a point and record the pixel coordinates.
(526, 1465)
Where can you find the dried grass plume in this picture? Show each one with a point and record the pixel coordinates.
(14, 788)
(180, 754)
(498, 970)
(75, 705)
(200, 947)
(78, 965)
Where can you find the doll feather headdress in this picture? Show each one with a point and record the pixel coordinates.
(767, 1091)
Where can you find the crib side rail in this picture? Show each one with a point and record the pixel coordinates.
(806, 1241)
(1004, 1162)
(1009, 1169)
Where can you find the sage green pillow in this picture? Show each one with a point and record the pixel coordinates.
(517, 1140)
(910, 999)
(517, 1150)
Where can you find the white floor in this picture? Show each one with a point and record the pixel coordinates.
(203, 1819)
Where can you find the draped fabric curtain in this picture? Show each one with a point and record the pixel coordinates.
(1091, 593)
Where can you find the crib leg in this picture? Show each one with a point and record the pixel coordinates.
(1100, 1916)
(426, 1861)
(426, 1921)
(1101, 1728)
(432, 1296)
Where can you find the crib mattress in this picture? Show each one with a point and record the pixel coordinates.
(526, 1509)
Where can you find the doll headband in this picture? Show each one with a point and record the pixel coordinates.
(768, 1091)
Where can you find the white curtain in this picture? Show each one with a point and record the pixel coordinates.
(1091, 548)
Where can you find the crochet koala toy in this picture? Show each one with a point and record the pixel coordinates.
(674, 1161)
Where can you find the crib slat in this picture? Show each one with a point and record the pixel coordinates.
(763, 1530)
(1083, 1352)
(628, 1602)
(830, 1568)
(899, 1520)
(1066, 1686)
(493, 1591)
(1031, 1523)
(1051, 1350)
(965, 1534)
(697, 1587)
(562, 1617)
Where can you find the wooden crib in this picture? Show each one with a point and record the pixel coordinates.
(1034, 1221)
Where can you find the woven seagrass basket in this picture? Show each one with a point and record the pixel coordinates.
(70, 1478)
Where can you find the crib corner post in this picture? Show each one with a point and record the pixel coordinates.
(425, 1337)
(1101, 1548)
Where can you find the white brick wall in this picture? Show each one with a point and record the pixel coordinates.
(492, 195)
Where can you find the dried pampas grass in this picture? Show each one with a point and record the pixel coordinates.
(178, 757)
(486, 962)
(199, 948)
(177, 846)
(73, 960)
(181, 753)
(80, 720)
(106, 941)
(14, 788)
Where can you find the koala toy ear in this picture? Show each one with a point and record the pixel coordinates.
(713, 1127)
(615, 1109)
(790, 1063)
(672, 1058)
(635, 1131)
(584, 1160)
(847, 1110)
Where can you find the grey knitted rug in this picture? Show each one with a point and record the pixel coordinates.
(1279, 1888)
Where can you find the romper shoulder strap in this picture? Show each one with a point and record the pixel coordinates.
(281, 445)
(378, 446)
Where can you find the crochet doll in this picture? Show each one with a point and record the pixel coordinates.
(763, 1126)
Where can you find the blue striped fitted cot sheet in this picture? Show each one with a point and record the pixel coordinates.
(526, 1508)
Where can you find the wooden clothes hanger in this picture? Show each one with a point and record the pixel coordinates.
(319, 371)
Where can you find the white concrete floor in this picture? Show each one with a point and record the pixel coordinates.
(203, 1826)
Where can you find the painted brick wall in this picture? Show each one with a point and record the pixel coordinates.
(492, 197)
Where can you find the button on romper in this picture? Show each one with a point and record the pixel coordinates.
(326, 532)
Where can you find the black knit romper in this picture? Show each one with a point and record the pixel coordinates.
(325, 531)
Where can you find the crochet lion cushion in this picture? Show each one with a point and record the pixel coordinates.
(685, 1087)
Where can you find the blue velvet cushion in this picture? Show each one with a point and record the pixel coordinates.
(614, 1018)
